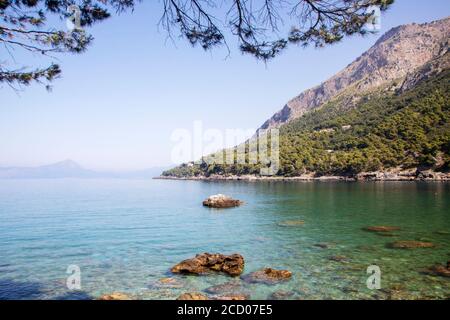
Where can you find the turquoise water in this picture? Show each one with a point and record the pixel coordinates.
(126, 234)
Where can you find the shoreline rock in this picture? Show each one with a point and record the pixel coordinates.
(220, 201)
(232, 265)
(395, 174)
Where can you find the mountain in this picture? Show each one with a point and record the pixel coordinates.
(71, 169)
(397, 53)
(63, 169)
(386, 114)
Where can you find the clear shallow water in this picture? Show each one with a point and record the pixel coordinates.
(126, 234)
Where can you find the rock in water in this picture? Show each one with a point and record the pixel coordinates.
(387, 234)
(322, 245)
(268, 276)
(115, 296)
(221, 201)
(232, 297)
(232, 290)
(338, 258)
(281, 295)
(167, 280)
(291, 223)
(381, 229)
(439, 270)
(410, 245)
(192, 296)
(231, 287)
(232, 265)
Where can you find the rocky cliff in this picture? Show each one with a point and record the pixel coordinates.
(397, 55)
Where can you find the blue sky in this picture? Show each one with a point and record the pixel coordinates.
(116, 105)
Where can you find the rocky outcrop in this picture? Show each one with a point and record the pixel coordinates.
(430, 175)
(268, 276)
(410, 245)
(398, 54)
(115, 296)
(221, 201)
(396, 174)
(232, 265)
(432, 68)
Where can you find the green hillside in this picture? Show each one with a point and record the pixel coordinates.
(383, 130)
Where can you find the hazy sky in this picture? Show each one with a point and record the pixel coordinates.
(117, 105)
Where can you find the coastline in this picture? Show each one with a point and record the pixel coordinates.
(405, 176)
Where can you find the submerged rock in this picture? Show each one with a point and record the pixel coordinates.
(168, 283)
(439, 270)
(291, 223)
(381, 229)
(366, 248)
(410, 245)
(338, 258)
(321, 245)
(231, 287)
(168, 280)
(115, 296)
(395, 294)
(192, 296)
(387, 234)
(281, 295)
(221, 201)
(232, 265)
(268, 276)
(232, 297)
(398, 287)
(349, 290)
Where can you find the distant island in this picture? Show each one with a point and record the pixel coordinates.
(71, 169)
(384, 117)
